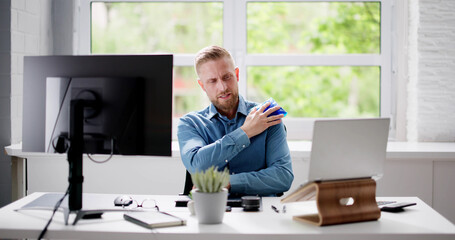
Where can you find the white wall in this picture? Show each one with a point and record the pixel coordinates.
(27, 27)
(31, 34)
(431, 89)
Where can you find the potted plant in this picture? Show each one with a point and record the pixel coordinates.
(210, 194)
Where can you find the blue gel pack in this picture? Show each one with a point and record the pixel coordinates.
(272, 104)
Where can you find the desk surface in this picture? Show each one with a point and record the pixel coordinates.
(417, 222)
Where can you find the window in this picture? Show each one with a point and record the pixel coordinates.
(151, 27)
(317, 59)
(157, 27)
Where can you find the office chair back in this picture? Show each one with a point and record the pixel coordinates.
(188, 184)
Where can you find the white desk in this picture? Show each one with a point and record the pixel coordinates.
(417, 222)
(411, 169)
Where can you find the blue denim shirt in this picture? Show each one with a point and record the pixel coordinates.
(260, 165)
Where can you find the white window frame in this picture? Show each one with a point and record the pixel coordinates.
(235, 40)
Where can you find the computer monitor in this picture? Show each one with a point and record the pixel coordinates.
(106, 104)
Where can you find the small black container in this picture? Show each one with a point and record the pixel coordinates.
(251, 203)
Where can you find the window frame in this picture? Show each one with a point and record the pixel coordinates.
(235, 40)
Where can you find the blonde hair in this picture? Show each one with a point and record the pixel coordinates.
(211, 53)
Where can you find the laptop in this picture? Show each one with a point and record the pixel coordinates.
(344, 149)
(348, 149)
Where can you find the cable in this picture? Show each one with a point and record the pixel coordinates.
(57, 205)
(62, 144)
(58, 115)
(107, 159)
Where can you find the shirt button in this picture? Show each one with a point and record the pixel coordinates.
(243, 145)
(226, 160)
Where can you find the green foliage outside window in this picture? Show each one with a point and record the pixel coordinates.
(155, 27)
(316, 28)
(318, 91)
(272, 28)
(313, 27)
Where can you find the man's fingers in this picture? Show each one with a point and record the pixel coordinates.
(253, 110)
(263, 107)
(274, 122)
(257, 121)
(271, 110)
(275, 118)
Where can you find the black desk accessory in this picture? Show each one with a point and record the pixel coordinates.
(248, 203)
(395, 206)
(251, 203)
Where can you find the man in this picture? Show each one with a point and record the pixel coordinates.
(232, 133)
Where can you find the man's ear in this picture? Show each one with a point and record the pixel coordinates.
(237, 73)
(201, 84)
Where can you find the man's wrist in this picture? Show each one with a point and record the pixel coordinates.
(245, 131)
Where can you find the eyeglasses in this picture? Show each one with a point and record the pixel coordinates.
(147, 203)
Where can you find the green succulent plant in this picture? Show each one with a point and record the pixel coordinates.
(211, 180)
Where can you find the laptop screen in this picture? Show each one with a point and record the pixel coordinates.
(348, 149)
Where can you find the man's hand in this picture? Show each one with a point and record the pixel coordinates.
(257, 120)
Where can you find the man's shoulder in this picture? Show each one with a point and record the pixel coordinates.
(250, 104)
(201, 114)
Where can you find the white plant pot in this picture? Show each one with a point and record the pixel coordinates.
(210, 207)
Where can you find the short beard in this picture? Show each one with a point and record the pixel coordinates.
(226, 108)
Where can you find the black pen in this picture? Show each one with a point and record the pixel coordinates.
(275, 209)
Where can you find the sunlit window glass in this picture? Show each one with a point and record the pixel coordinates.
(153, 27)
(313, 27)
(318, 91)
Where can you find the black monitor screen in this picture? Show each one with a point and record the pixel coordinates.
(131, 97)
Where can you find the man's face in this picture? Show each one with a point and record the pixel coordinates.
(219, 79)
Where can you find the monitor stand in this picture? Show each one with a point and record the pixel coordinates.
(75, 153)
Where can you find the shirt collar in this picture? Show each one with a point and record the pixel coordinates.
(241, 109)
(242, 106)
